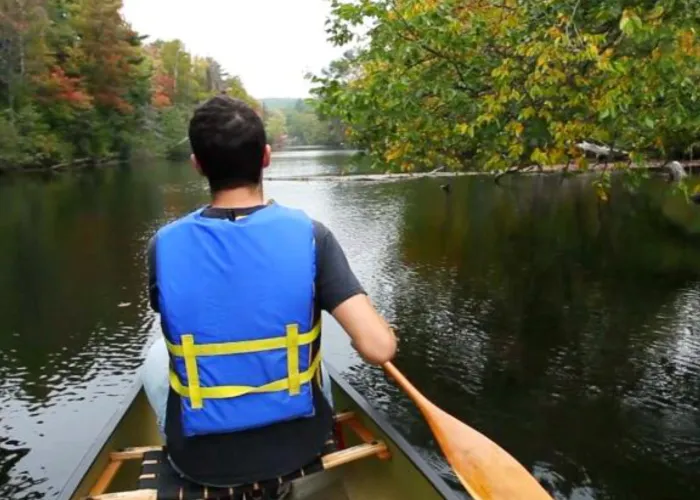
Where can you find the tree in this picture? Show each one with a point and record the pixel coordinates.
(493, 85)
(276, 128)
(179, 82)
(76, 82)
(234, 88)
(22, 47)
(305, 127)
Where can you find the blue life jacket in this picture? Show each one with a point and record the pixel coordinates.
(237, 309)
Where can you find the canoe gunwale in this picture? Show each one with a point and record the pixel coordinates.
(99, 443)
(394, 436)
(103, 438)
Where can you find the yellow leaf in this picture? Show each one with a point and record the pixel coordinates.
(515, 150)
(394, 152)
(527, 113)
(686, 42)
(554, 32)
(602, 194)
(516, 127)
(538, 156)
(462, 128)
(582, 163)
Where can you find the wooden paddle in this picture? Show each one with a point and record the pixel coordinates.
(486, 470)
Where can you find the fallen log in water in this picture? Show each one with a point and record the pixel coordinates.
(366, 177)
(529, 170)
(602, 151)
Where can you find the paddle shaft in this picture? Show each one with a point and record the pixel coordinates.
(420, 400)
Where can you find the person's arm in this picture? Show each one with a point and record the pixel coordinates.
(370, 333)
(339, 292)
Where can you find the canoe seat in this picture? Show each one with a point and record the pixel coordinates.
(158, 480)
(157, 475)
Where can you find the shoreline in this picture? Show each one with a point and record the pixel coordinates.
(652, 166)
(69, 166)
(657, 166)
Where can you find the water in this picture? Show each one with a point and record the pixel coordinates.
(564, 329)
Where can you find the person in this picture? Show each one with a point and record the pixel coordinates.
(236, 381)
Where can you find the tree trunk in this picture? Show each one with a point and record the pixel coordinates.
(21, 58)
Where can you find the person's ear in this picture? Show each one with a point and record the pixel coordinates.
(267, 157)
(196, 164)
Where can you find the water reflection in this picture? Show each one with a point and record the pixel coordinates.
(302, 163)
(73, 317)
(563, 328)
(559, 326)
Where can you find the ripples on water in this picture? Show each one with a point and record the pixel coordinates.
(53, 413)
(563, 329)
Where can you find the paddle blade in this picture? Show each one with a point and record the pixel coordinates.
(487, 471)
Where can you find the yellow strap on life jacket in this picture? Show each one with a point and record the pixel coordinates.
(234, 391)
(291, 342)
(293, 359)
(192, 370)
(245, 346)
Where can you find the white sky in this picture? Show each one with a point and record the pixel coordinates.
(270, 44)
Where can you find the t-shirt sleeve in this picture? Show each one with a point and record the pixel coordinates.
(152, 283)
(335, 280)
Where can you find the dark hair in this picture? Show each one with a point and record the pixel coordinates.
(228, 139)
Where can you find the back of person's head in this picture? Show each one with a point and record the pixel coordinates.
(229, 143)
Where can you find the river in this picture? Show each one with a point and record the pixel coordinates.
(563, 328)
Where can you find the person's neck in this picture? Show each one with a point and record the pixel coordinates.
(244, 197)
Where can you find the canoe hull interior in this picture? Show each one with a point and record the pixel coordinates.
(403, 476)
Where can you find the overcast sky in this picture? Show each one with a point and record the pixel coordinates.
(270, 44)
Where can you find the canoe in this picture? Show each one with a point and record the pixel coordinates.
(371, 460)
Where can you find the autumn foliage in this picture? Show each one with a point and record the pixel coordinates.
(76, 81)
(57, 87)
(496, 84)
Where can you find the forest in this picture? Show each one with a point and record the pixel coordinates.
(295, 122)
(511, 84)
(78, 84)
(460, 84)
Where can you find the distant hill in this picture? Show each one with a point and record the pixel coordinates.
(280, 103)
